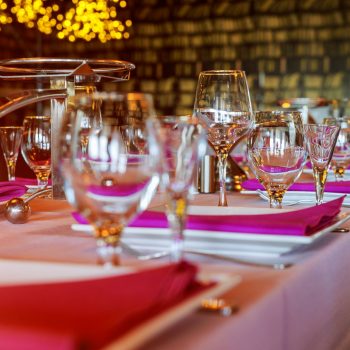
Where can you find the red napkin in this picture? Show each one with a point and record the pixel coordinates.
(303, 222)
(331, 186)
(90, 314)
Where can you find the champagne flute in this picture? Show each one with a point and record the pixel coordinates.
(106, 183)
(183, 143)
(222, 105)
(341, 155)
(320, 141)
(277, 152)
(36, 147)
(10, 139)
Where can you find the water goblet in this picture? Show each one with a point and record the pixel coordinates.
(10, 139)
(36, 147)
(104, 182)
(223, 107)
(184, 143)
(277, 152)
(341, 154)
(320, 141)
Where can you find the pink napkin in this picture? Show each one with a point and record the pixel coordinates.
(89, 314)
(12, 189)
(303, 222)
(331, 186)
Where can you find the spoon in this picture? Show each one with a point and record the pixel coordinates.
(17, 210)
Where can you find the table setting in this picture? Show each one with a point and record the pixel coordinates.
(134, 250)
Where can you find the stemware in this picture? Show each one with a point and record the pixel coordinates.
(341, 154)
(36, 147)
(222, 105)
(184, 143)
(10, 139)
(277, 152)
(103, 180)
(320, 141)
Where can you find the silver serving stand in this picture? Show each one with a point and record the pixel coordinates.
(61, 79)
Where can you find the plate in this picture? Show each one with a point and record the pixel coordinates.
(160, 323)
(234, 244)
(303, 197)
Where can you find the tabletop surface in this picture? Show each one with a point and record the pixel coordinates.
(303, 307)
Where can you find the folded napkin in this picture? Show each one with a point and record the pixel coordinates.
(89, 314)
(331, 186)
(12, 189)
(303, 222)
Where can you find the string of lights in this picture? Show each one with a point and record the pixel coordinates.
(72, 20)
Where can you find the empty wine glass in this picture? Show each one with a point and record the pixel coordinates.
(36, 147)
(223, 107)
(277, 152)
(320, 141)
(341, 154)
(10, 139)
(184, 143)
(106, 183)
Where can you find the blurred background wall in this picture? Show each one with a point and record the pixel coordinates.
(289, 48)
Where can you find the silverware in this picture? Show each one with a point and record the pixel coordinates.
(219, 305)
(17, 210)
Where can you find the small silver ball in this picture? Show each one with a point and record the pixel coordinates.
(17, 211)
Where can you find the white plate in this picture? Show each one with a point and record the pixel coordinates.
(304, 197)
(158, 324)
(234, 244)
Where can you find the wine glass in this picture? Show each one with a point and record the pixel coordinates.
(320, 141)
(106, 183)
(10, 139)
(36, 147)
(184, 143)
(341, 154)
(223, 107)
(277, 152)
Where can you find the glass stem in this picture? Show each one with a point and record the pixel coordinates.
(320, 177)
(177, 210)
(276, 198)
(11, 168)
(339, 173)
(108, 245)
(222, 158)
(42, 178)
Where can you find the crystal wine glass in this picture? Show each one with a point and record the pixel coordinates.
(184, 143)
(341, 155)
(224, 109)
(36, 147)
(10, 139)
(277, 152)
(105, 182)
(320, 141)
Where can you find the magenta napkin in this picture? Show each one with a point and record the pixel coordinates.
(12, 189)
(303, 222)
(89, 314)
(331, 186)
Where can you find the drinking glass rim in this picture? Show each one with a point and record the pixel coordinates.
(223, 72)
(40, 117)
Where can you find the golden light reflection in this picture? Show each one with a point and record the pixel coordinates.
(82, 19)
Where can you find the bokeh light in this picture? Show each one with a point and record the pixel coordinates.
(73, 20)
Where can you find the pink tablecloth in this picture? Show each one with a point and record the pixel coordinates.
(302, 308)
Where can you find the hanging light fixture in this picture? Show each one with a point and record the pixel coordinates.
(77, 19)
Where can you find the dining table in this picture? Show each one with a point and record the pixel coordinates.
(305, 306)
